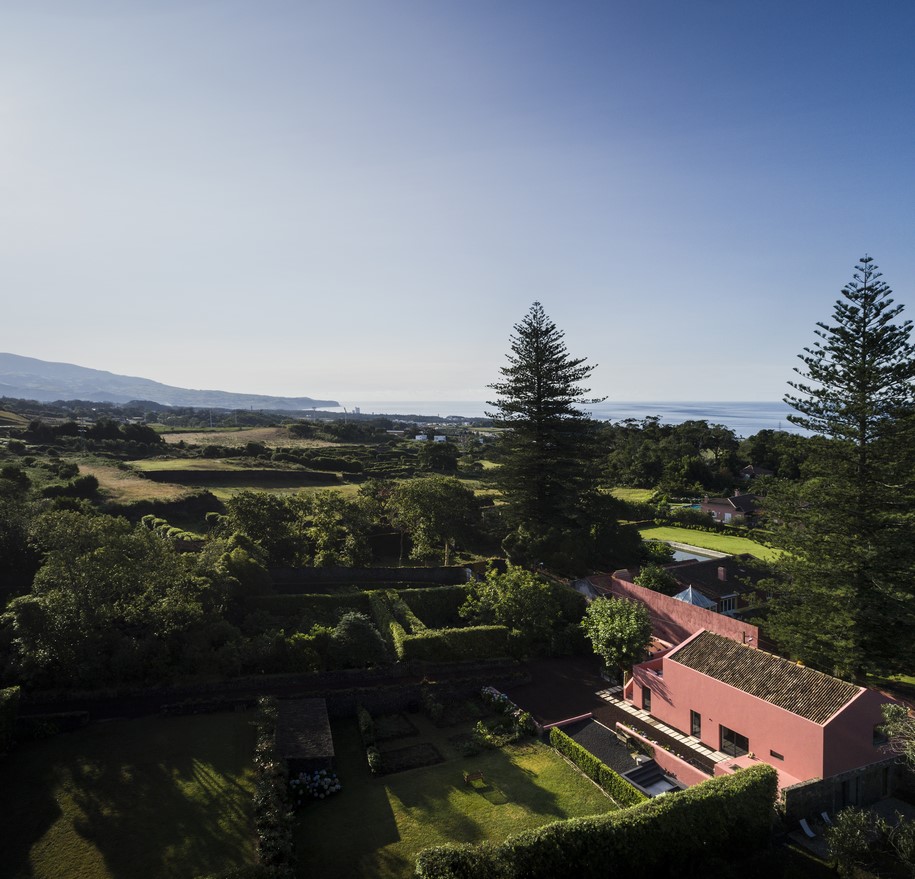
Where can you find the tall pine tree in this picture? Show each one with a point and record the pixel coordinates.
(550, 450)
(845, 601)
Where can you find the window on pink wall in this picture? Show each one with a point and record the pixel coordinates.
(695, 724)
(733, 743)
(646, 699)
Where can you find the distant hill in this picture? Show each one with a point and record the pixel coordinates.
(32, 379)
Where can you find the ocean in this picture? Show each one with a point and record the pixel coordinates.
(744, 418)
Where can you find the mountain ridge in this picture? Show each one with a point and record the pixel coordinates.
(47, 381)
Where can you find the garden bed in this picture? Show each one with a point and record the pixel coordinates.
(411, 757)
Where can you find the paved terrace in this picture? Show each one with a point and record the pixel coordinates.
(572, 687)
(617, 710)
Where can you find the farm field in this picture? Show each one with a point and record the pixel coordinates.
(375, 827)
(728, 543)
(125, 487)
(269, 436)
(158, 798)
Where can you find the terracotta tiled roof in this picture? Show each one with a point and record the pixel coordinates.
(303, 729)
(795, 688)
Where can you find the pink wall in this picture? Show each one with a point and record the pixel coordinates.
(684, 772)
(849, 734)
(674, 620)
(768, 727)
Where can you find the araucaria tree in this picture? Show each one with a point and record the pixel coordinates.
(845, 599)
(549, 449)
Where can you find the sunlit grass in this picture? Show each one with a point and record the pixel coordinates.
(633, 495)
(397, 816)
(728, 543)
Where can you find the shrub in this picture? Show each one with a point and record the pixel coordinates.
(9, 708)
(366, 726)
(317, 785)
(376, 765)
(623, 793)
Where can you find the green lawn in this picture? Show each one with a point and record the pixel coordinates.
(158, 797)
(633, 495)
(707, 540)
(375, 827)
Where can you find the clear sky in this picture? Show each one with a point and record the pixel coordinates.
(357, 200)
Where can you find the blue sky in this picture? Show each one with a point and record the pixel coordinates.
(358, 200)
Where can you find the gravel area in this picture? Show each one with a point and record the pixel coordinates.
(602, 743)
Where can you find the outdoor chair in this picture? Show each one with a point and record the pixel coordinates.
(806, 828)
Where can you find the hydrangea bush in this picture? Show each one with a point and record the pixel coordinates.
(318, 785)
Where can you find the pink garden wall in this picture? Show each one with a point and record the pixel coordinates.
(673, 620)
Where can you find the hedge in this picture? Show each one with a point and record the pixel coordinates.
(411, 623)
(9, 709)
(316, 608)
(436, 606)
(273, 821)
(673, 835)
(623, 793)
(444, 645)
(391, 630)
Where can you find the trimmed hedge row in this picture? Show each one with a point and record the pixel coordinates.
(669, 836)
(273, 820)
(409, 620)
(623, 793)
(437, 606)
(391, 630)
(444, 645)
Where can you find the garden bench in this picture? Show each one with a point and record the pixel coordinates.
(473, 776)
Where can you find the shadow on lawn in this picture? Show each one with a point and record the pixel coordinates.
(504, 782)
(158, 810)
(28, 806)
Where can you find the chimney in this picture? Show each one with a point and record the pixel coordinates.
(722, 573)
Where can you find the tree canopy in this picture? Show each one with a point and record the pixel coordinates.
(549, 450)
(844, 598)
(619, 631)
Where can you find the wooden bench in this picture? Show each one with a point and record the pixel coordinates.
(473, 776)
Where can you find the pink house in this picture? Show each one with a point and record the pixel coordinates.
(753, 705)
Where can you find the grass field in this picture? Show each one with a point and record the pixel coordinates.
(133, 799)
(707, 540)
(11, 419)
(377, 826)
(269, 436)
(208, 464)
(125, 487)
(633, 495)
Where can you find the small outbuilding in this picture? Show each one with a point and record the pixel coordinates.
(303, 737)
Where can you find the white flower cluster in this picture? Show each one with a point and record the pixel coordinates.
(318, 785)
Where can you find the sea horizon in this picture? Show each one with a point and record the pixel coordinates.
(744, 417)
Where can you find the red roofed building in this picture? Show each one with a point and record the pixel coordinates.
(742, 701)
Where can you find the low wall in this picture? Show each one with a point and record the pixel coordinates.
(568, 721)
(673, 620)
(857, 787)
(684, 772)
